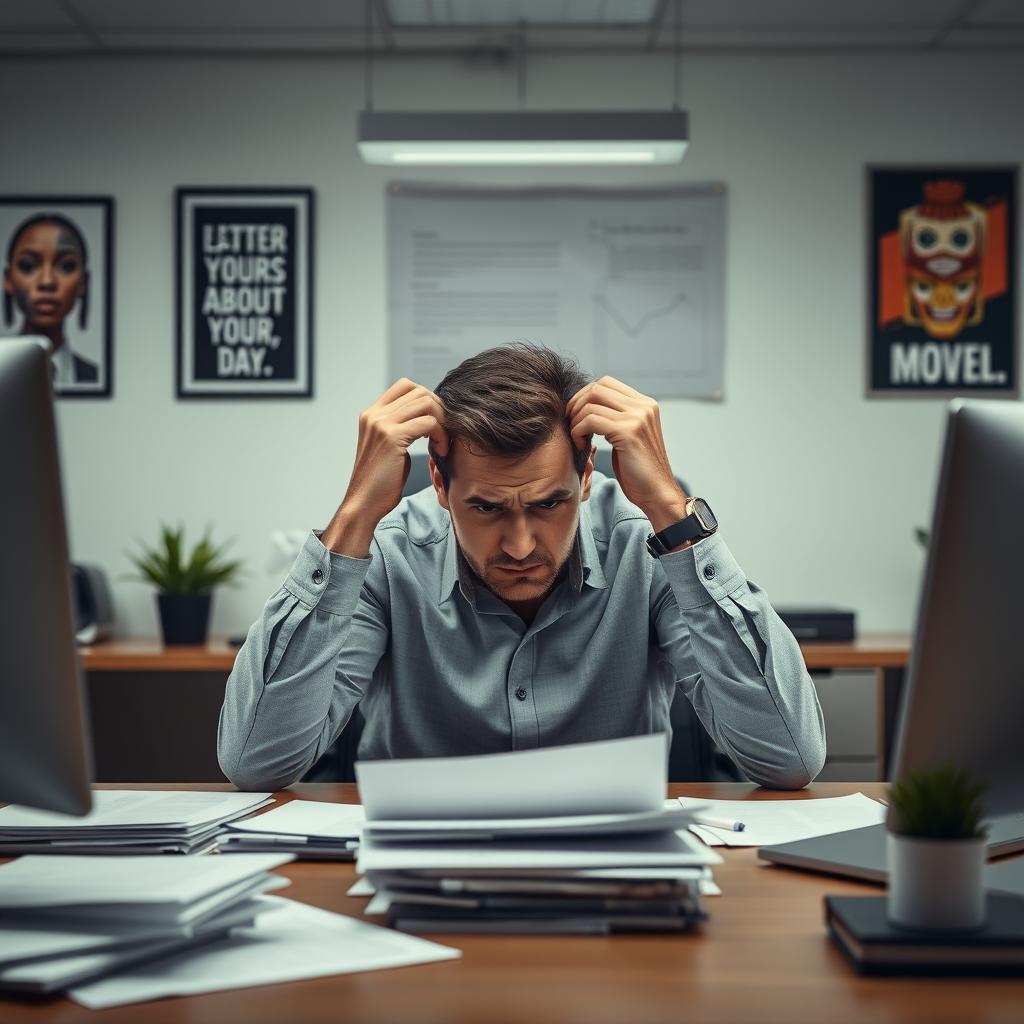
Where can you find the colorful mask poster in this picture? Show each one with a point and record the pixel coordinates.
(58, 285)
(942, 318)
(245, 293)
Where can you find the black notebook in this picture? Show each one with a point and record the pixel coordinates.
(859, 926)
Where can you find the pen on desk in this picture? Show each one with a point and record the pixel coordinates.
(723, 823)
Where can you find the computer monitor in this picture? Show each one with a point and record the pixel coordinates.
(45, 757)
(963, 699)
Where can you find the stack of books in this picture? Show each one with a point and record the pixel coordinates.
(578, 857)
(860, 927)
(309, 829)
(128, 822)
(97, 915)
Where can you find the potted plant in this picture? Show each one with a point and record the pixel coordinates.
(936, 851)
(184, 587)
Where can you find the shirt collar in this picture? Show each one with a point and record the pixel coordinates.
(63, 365)
(584, 564)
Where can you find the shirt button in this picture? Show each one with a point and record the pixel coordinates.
(521, 693)
(709, 572)
(318, 576)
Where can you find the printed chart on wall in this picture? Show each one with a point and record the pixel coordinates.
(942, 305)
(629, 281)
(245, 293)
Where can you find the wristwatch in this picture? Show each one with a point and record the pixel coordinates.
(700, 522)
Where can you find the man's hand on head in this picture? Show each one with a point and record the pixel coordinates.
(405, 412)
(631, 423)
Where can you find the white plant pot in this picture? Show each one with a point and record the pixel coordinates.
(936, 883)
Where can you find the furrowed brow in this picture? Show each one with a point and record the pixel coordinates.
(560, 495)
(476, 499)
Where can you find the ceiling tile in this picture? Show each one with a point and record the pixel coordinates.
(467, 13)
(808, 15)
(266, 41)
(34, 14)
(213, 14)
(992, 13)
(45, 42)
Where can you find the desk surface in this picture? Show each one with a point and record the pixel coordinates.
(762, 956)
(872, 650)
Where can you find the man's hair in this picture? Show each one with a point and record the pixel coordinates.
(509, 400)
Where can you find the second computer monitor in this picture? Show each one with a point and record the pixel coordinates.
(963, 702)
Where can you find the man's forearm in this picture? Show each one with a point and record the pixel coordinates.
(350, 532)
(280, 704)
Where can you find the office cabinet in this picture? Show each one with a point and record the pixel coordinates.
(849, 702)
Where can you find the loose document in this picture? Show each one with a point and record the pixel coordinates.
(312, 830)
(624, 776)
(769, 822)
(288, 942)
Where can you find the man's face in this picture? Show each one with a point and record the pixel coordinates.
(515, 518)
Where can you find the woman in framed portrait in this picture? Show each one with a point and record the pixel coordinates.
(46, 276)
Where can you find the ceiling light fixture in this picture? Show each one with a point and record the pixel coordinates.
(523, 137)
(633, 137)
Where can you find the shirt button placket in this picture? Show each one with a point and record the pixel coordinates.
(522, 712)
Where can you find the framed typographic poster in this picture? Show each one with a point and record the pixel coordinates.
(942, 314)
(58, 254)
(244, 293)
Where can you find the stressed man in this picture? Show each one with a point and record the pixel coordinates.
(521, 601)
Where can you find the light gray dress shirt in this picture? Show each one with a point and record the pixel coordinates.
(440, 666)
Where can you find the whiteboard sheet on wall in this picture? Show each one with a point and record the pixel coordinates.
(629, 281)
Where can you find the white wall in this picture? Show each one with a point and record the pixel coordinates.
(817, 488)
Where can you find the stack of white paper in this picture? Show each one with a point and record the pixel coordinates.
(128, 822)
(69, 920)
(307, 828)
(567, 839)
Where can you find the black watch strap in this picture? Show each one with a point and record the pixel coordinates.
(687, 529)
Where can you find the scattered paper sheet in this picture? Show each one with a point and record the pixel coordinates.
(291, 942)
(610, 777)
(362, 887)
(668, 849)
(145, 885)
(306, 818)
(117, 809)
(769, 822)
(57, 972)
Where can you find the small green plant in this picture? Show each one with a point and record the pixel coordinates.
(937, 803)
(166, 568)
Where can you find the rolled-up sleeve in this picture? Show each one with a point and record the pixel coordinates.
(290, 693)
(738, 664)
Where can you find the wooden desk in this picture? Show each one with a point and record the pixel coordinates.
(133, 683)
(763, 956)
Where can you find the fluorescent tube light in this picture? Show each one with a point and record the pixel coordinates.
(523, 137)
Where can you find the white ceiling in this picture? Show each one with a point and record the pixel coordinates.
(414, 27)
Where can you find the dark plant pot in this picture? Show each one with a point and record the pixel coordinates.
(184, 618)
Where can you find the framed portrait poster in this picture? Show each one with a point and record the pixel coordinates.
(942, 253)
(58, 254)
(244, 284)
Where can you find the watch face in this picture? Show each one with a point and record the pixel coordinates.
(705, 515)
